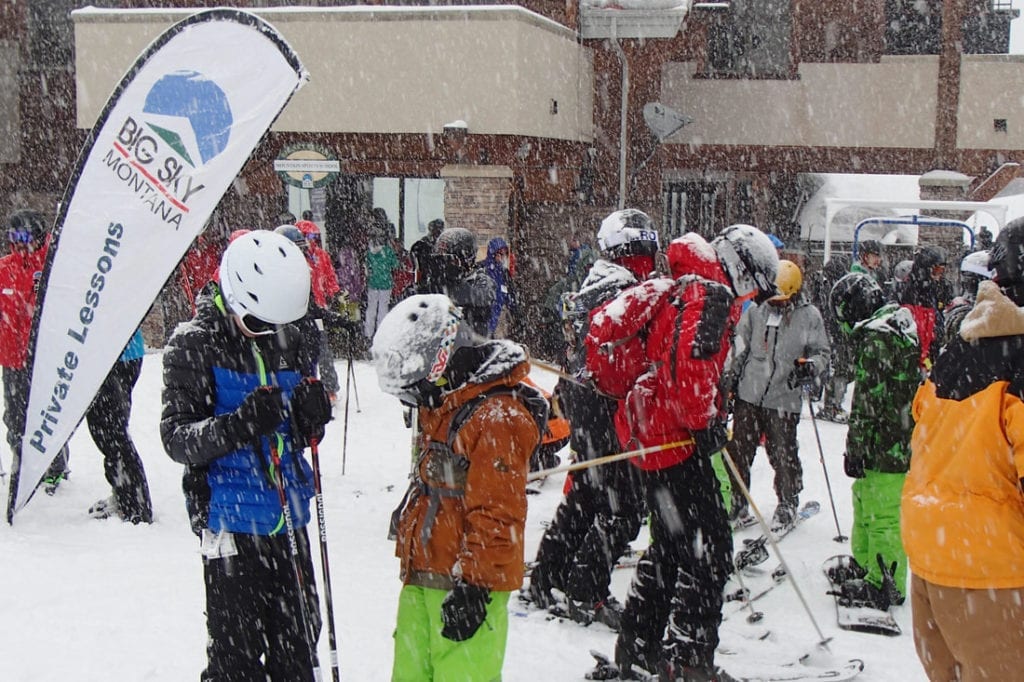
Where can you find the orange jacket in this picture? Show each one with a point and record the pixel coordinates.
(480, 531)
(963, 508)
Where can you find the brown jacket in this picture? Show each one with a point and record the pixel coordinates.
(477, 534)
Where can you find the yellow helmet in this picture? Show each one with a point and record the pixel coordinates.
(789, 280)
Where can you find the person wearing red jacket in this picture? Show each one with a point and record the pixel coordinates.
(19, 282)
(660, 347)
(325, 289)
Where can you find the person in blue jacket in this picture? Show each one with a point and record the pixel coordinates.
(107, 419)
(496, 265)
(232, 380)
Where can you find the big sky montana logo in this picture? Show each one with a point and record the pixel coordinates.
(185, 122)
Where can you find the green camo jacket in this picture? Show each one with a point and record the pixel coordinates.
(886, 376)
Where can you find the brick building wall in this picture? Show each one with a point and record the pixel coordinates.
(477, 198)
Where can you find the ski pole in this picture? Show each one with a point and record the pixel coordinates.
(608, 459)
(738, 480)
(321, 519)
(828, 485)
(755, 616)
(293, 545)
(355, 388)
(344, 428)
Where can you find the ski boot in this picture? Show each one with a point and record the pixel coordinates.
(52, 481)
(607, 611)
(105, 508)
(846, 569)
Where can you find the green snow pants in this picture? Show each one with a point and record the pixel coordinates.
(423, 655)
(876, 526)
(724, 479)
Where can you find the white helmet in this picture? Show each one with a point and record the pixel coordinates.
(628, 232)
(750, 259)
(415, 341)
(265, 275)
(976, 263)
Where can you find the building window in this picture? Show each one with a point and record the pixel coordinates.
(999, 125)
(411, 203)
(750, 40)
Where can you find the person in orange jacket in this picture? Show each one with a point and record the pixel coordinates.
(461, 526)
(963, 505)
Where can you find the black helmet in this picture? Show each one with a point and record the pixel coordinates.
(292, 233)
(458, 244)
(28, 221)
(871, 246)
(855, 298)
(629, 232)
(1006, 258)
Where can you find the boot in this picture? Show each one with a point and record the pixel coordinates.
(784, 517)
(607, 611)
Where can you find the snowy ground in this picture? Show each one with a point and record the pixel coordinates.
(101, 600)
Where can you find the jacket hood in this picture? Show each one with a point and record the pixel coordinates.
(994, 314)
(494, 246)
(691, 254)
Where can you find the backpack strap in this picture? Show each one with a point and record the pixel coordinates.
(454, 467)
(714, 318)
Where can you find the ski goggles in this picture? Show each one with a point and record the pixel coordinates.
(256, 327)
(19, 237)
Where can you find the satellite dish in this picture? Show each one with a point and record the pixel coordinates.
(663, 121)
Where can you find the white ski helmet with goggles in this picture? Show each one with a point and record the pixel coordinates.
(265, 275)
(750, 260)
(415, 342)
(628, 232)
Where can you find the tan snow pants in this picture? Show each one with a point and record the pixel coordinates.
(966, 635)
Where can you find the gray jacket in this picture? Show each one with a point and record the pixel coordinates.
(769, 338)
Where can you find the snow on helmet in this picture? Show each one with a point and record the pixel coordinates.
(749, 258)
(293, 233)
(788, 281)
(976, 263)
(415, 341)
(855, 297)
(456, 243)
(265, 275)
(1006, 258)
(628, 232)
(26, 223)
(902, 270)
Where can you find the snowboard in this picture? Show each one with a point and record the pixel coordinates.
(755, 550)
(858, 618)
(794, 671)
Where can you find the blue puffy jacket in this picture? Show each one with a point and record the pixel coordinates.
(209, 368)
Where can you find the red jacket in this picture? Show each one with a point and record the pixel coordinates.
(669, 342)
(324, 278)
(18, 273)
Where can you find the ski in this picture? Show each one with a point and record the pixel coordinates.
(796, 671)
(755, 550)
(852, 617)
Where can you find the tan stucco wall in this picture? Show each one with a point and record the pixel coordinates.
(991, 87)
(10, 140)
(388, 70)
(890, 104)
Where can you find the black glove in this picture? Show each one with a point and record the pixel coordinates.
(463, 611)
(804, 373)
(710, 440)
(853, 465)
(311, 409)
(261, 412)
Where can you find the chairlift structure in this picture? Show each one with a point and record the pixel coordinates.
(834, 205)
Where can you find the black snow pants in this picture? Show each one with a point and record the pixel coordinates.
(674, 606)
(602, 510)
(253, 616)
(779, 428)
(16, 384)
(108, 425)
